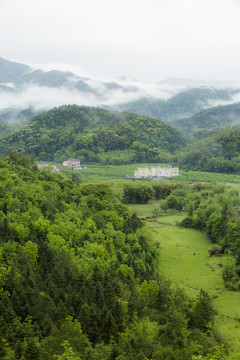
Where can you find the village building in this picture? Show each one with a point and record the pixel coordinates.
(141, 173)
(73, 164)
(156, 172)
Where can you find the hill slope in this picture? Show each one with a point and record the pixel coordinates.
(217, 153)
(80, 279)
(92, 132)
(181, 105)
(214, 118)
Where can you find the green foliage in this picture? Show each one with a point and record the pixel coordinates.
(94, 135)
(218, 153)
(215, 250)
(218, 352)
(230, 275)
(203, 312)
(215, 210)
(183, 104)
(79, 274)
(68, 354)
(205, 122)
(141, 193)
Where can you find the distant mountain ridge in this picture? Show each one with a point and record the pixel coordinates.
(182, 105)
(213, 118)
(11, 72)
(15, 76)
(190, 105)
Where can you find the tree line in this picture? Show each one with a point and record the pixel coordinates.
(213, 208)
(79, 277)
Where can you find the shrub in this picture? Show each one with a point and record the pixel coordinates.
(215, 250)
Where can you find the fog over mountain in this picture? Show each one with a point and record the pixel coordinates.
(23, 87)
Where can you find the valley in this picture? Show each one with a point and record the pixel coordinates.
(96, 265)
(120, 180)
(185, 261)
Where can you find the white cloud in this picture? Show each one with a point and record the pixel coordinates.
(45, 98)
(8, 84)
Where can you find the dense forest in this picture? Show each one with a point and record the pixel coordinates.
(79, 276)
(101, 136)
(217, 153)
(94, 135)
(211, 119)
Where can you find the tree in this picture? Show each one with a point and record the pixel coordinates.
(203, 312)
(68, 353)
(31, 350)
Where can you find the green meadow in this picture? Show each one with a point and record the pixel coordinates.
(100, 173)
(186, 262)
(178, 245)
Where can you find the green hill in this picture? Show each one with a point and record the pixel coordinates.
(94, 134)
(210, 119)
(79, 277)
(180, 106)
(217, 153)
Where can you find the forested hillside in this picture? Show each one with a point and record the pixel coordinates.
(212, 208)
(79, 277)
(218, 153)
(210, 119)
(94, 134)
(180, 106)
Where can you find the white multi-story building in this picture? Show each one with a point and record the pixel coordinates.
(156, 172)
(141, 173)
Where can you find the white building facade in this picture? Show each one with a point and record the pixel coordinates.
(156, 172)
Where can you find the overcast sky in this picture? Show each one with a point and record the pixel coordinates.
(149, 40)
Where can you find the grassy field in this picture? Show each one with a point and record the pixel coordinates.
(178, 245)
(193, 272)
(103, 173)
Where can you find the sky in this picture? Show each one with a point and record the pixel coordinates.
(148, 40)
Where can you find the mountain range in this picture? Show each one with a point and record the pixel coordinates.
(26, 91)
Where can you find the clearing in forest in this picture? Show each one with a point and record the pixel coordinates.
(186, 262)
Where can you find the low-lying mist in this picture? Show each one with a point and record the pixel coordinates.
(41, 90)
